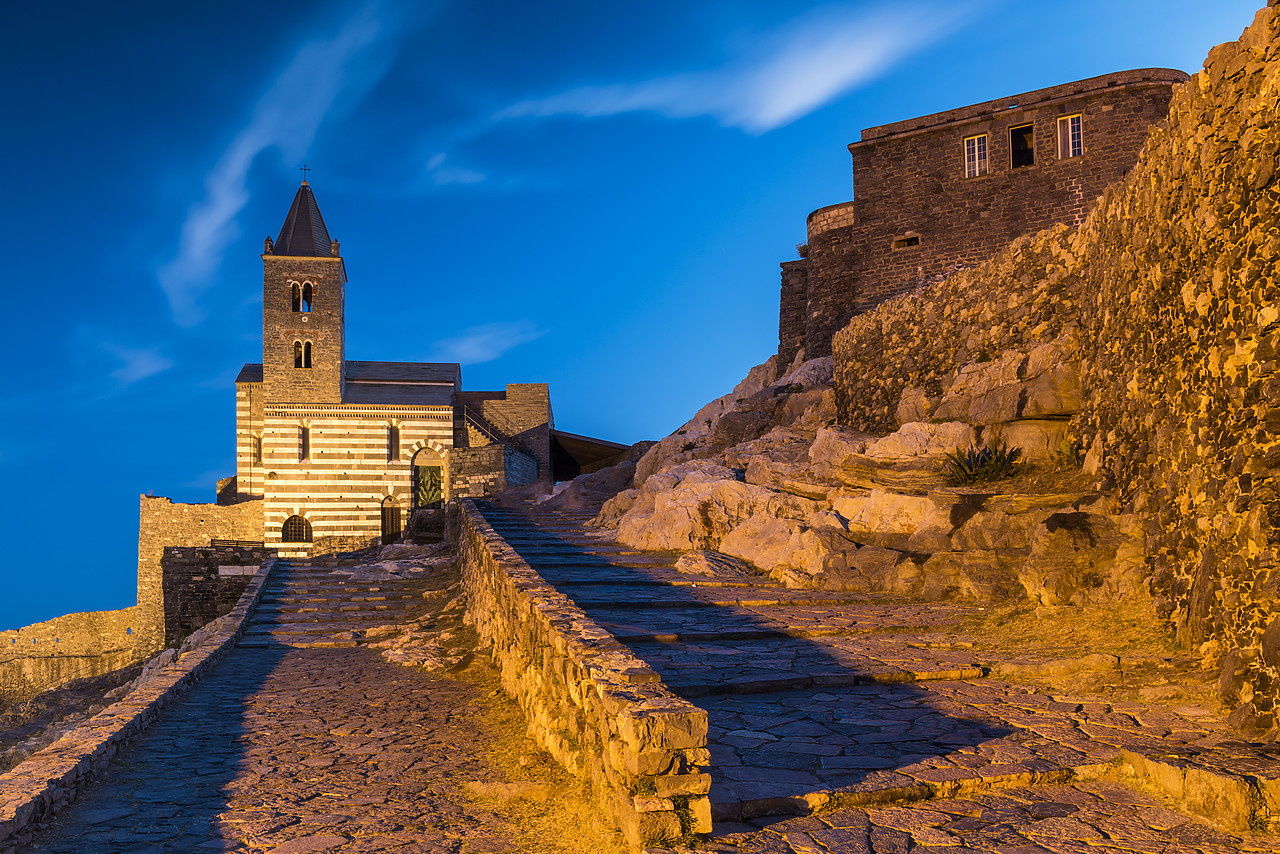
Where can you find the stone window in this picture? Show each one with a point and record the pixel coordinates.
(296, 530)
(302, 296)
(975, 155)
(302, 354)
(304, 443)
(1070, 137)
(297, 296)
(906, 241)
(1022, 146)
(393, 443)
(257, 450)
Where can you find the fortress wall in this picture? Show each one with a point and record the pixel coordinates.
(45, 655)
(1170, 292)
(916, 218)
(161, 523)
(600, 711)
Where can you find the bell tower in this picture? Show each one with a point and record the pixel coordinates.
(303, 315)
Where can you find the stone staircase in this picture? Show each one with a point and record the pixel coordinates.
(330, 603)
(822, 699)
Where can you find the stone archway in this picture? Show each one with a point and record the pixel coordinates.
(429, 482)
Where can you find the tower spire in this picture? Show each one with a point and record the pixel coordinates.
(303, 232)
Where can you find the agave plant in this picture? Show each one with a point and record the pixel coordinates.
(981, 464)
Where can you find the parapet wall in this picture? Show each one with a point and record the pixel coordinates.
(600, 711)
(1170, 295)
(45, 655)
(204, 583)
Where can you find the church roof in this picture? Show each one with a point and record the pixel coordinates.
(413, 373)
(303, 232)
(250, 373)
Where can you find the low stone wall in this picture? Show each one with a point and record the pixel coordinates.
(49, 779)
(45, 655)
(202, 584)
(600, 711)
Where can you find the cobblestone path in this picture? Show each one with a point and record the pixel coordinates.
(839, 702)
(289, 748)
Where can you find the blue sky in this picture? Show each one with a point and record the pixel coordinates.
(591, 195)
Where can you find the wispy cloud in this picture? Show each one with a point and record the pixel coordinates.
(443, 175)
(485, 343)
(808, 63)
(136, 364)
(286, 117)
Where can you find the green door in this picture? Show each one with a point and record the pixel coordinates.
(428, 486)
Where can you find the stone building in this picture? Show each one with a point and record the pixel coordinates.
(943, 192)
(339, 451)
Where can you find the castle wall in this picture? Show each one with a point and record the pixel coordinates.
(45, 655)
(792, 309)
(485, 471)
(161, 524)
(916, 218)
(1169, 290)
(339, 489)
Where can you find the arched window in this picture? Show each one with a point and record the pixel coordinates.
(307, 292)
(304, 443)
(306, 355)
(297, 354)
(296, 530)
(393, 443)
(297, 297)
(428, 479)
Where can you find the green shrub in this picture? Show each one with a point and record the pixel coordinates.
(981, 465)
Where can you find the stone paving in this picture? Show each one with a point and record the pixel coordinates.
(307, 745)
(833, 703)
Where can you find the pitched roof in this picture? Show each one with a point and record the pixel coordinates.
(411, 373)
(250, 373)
(303, 232)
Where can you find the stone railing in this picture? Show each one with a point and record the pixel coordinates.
(49, 779)
(600, 711)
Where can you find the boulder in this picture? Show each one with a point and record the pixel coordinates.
(810, 374)
(589, 492)
(915, 405)
(716, 564)
(919, 439)
(882, 518)
(833, 446)
(1073, 559)
(1041, 441)
(693, 505)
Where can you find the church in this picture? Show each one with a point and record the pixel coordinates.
(340, 451)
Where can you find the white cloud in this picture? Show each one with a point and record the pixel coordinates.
(485, 343)
(442, 175)
(136, 364)
(812, 61)
(286, 117)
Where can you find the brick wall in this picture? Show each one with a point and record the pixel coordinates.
(161, 523)
(203, 583)
(910, 185)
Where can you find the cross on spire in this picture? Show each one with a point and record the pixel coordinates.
(304, 169)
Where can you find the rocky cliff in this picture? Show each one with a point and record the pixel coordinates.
(1133, 361)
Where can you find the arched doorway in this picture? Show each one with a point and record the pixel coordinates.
(391, 526)
(428, 479)
(295, 530)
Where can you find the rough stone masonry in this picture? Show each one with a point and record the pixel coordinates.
(1168, 296)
